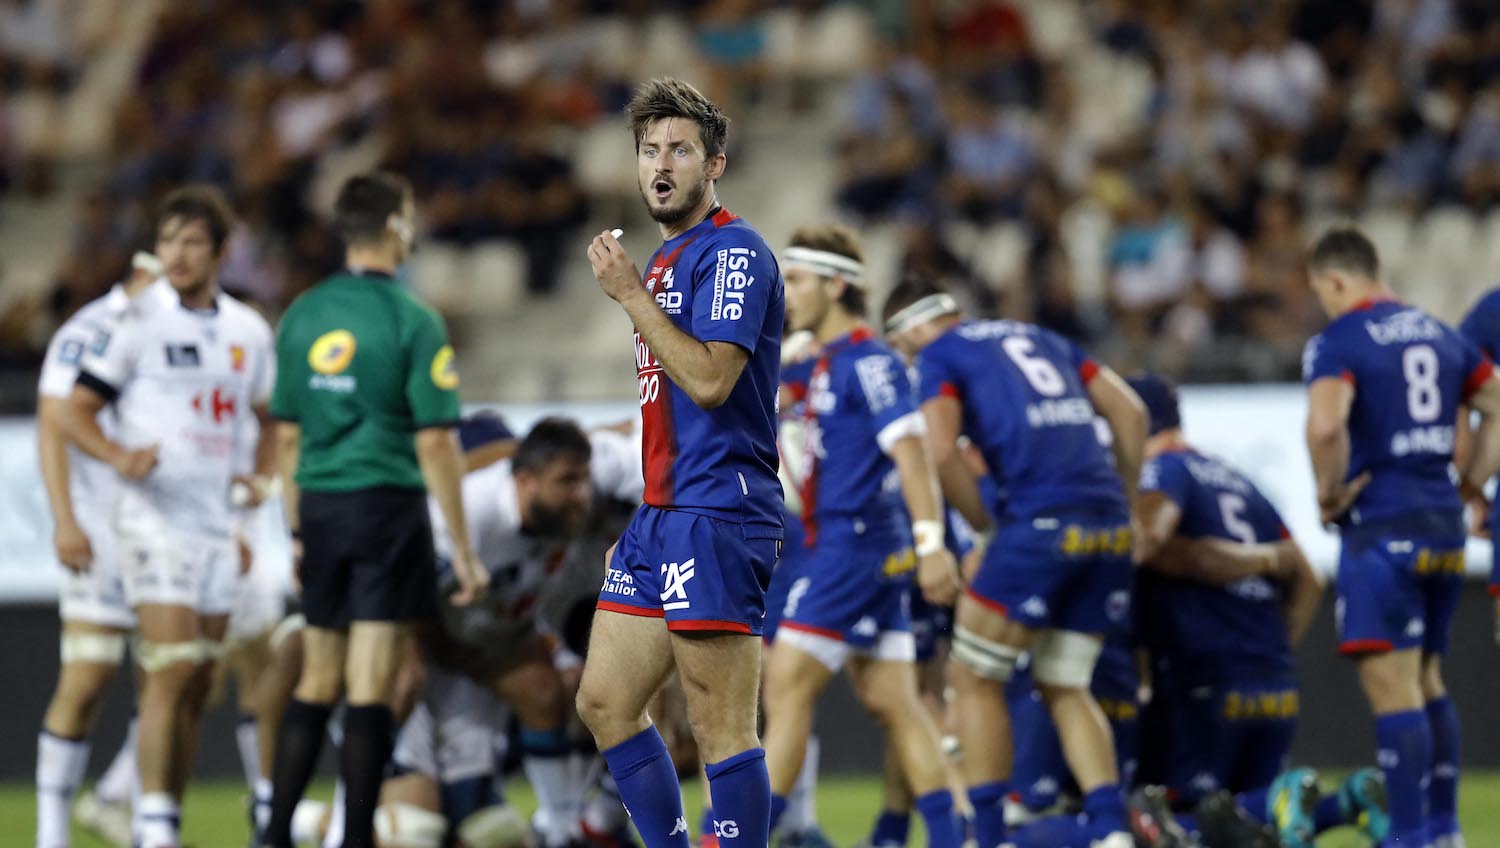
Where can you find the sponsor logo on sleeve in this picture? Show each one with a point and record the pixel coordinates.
(71, 352)
(445, 369)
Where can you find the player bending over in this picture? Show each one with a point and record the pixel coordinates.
(1056, 579)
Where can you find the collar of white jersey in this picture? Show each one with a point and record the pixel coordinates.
(162, 289)
(116, 300)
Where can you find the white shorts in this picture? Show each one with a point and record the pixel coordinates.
(180, 570)
(96, 596)
(454, 732)
(889, 646)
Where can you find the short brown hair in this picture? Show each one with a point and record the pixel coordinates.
(673, 98)
(366, 202)
(200, 202)
(844, 241)
(1345, 248)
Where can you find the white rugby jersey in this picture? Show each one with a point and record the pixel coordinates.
(91, 482)
(519, 564)
(189, 381)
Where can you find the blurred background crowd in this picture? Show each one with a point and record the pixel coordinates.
(1141, 175)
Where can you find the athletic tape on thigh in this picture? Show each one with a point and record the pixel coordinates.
(985, 658)
(402, 825)
(213, 649)
(499, 826)
(108, 648)
(293, 623)
(1065, 658)
(155, 656)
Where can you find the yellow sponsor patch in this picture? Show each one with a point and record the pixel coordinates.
(900, 562)
(332, 352)
(444, 369)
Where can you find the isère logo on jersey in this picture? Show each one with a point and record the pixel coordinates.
(730, 282)
(332, 352)
(445, 369)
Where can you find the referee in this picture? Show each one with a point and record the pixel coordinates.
(367, 403)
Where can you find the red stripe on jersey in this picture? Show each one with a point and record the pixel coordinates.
(711, 625)
(825, 632)
(994, 605)
(1087, 371)
(1284, 534)
(1493, 590)
(798, 391)
(1365, 646)
(659, 445)
(724, 216)
(1347, 376)
(1371, 301)
(948, 390)
(627, 609)
(1477, 378)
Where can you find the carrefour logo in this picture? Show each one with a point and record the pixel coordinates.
(332, 352)
(444, 369)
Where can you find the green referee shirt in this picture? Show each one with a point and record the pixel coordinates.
(363, 366)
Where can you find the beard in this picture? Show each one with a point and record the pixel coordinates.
(555, 522)
(676, 214)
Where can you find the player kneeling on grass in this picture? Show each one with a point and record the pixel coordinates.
(1057, 576)
(868, 489)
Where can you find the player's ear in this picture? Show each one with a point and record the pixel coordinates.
(716, 166)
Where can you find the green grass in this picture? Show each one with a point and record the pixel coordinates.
(215, 816)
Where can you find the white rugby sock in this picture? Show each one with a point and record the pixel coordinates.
(558, 797)
(802, 805)
(116, 786)
(334, 836)
(262, 813)
(59, 769)
(249, 744)
(158, 820)
(604, 813)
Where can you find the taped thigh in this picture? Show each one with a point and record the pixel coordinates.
(985, 657)
(91, 647)
(1065, 658)
(155, 656)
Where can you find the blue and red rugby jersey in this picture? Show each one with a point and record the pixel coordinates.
(1026, 407)
(1213, 633)
(1410, 373)
(718, 281)
(857, 403)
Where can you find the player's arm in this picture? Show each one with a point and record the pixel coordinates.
(1217, 562)
(705, 370)
(442, 466)
(488, 454)
(937, 571)
(1483, 459)
(1329, 400)
(1304, 589)
(944, 417)
(1156, 519)
(81, 427)
(1122, 408)
(73, 549)
(288, 454)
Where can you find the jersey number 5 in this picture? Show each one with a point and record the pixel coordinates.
(1424, 400)
(1232, 510)
(1041, 374)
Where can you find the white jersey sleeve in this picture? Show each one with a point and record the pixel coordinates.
(615, 464)
(491, 511)
(111, 357)
(64, 355)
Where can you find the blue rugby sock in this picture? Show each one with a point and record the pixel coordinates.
(1442, 790)
(891, 828)
(1405, 751)
(1329, 813)
(741, 792)
(943, 830)
(1255, 803)
(647, 782)
(988, 801)
(1104, 808)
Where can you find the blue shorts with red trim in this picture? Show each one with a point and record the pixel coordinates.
(855, 583)
(1398, 591)
(1066, 571)
(930, 625)
(1233, 736)
(697, 572)
(793, 556)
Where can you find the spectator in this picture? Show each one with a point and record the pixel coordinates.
(989, 157)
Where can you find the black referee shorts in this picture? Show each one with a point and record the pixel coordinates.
(366, 556)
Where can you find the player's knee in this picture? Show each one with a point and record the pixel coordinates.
(985, 658)
(595, 707)
(402, 825)
(1063, 659)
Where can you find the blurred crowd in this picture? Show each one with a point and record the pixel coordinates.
(1139, 174)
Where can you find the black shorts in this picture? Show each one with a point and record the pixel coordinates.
(366, 556)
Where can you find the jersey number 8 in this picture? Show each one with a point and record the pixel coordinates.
(1424, 400)
(1041, 374)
